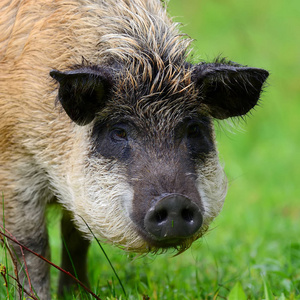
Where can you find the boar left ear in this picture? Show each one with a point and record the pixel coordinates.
(82, 92)
(229, 90)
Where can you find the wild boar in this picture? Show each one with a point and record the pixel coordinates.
(102, 112)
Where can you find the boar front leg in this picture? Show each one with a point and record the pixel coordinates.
(25, 191)
(77, 248)
(25, 221)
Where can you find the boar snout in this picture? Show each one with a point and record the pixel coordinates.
(172, 218)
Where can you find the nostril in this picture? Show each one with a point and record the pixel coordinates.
(187, 215)
(161, 216)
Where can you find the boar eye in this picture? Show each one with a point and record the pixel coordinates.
(193, 131)
(119, 134)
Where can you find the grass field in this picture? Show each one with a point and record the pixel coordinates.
(253, 249)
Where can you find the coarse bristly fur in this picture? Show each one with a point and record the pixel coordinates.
(114, 62)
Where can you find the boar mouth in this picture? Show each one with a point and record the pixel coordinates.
(178, 244)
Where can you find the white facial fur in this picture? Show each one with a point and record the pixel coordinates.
(212, 187)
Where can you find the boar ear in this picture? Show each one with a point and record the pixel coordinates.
(82, 92)
(229, 90)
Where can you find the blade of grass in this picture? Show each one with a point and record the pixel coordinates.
(4, 242)
(267, 289)
(237, 292)
(71, 260)
(3, 274)
(112, 267)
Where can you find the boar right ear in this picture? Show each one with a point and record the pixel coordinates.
(83, 92)
(228, 89)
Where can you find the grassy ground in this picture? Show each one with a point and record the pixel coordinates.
(253, 251)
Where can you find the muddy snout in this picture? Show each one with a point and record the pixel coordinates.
(172, 218)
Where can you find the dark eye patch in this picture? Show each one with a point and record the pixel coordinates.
(111, 140)
(196, 133)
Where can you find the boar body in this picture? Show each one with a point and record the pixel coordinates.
(102, 113)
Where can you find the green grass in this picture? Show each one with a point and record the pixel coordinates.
(253, 249)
